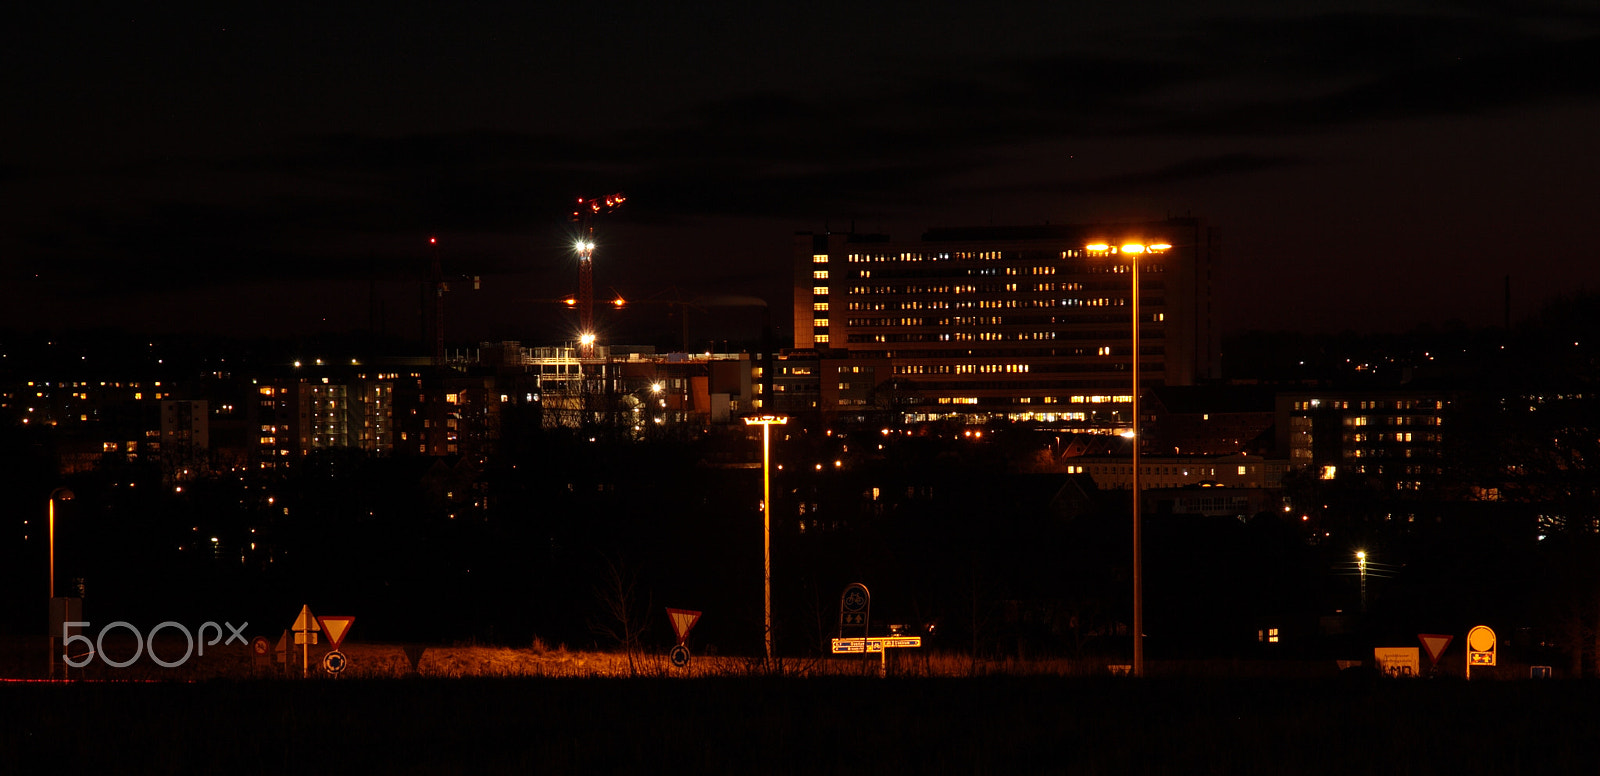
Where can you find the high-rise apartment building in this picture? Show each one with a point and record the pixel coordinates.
(1021, 322)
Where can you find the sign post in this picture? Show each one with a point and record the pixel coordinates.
(336, 628)
(305, 630)
(879, 644)
(1436, 644)
(683, 621)
(1480, 648)
(855, 610)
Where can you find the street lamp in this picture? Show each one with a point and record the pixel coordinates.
(1133, 250)
(766, 422)
(62, 494)
(1361, 569)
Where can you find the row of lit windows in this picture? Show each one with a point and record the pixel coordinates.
(1400, 404)
(1394, 420)
(1398, 436)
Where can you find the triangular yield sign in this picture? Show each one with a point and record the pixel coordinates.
(1435, 643)
(683, 621)
(336, 627)
(306, 621)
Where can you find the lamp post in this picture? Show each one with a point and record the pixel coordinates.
(1361, 569)
(1133, 250)
(766, 423)
(62, 494)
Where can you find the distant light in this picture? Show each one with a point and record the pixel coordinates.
(1098, 247)
(656, 387)
(1361, 555)
(433, 241)
(1127, 435)
(1133, 248)
(1160, 247)
(297, 365)
(619, 301)
(587, 339)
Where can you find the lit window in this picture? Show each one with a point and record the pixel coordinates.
(820, 307)
(822, 323)
(821, 338)
(820, 274)
(819, 258)
(819, 290)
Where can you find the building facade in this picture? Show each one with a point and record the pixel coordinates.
(1027, 323)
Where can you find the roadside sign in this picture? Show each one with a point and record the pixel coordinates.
(683, 621)
(336, 628)
(875, 644)
(1397, 661)
(305, 634)
(282, 651)
(680, 656)
(306, 621)
(855, 605)
(260, 653)
(1480, 648)
(414, 655)
(334, 662)
(1435, 643)
(1538, 672)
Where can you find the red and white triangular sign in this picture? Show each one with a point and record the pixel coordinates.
(336, 627)
(683, 621)
(306, 621)
(1435, 643)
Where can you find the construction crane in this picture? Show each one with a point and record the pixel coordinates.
(439, 287)
(583, 214)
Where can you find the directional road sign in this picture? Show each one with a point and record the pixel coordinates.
(875, 644)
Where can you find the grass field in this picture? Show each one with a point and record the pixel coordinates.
(472, 709)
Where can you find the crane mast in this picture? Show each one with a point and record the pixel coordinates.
(584, 214)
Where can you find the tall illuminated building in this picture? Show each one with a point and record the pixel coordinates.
(1016, 322)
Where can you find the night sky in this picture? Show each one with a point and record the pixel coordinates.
(278, 169)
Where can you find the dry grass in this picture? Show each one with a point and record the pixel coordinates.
(25, 659)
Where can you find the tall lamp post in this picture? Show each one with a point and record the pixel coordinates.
(61, 494)
(766, 422)
(1133, 250)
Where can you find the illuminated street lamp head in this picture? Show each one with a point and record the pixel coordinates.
(583, 246)
(586, 339)
(1361, 555)
(766, 420)
(656, 387)
(1134, 248)
(62, 494)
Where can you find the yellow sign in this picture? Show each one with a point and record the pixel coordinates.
(306, 621)
(1480, 646)
(875, 644)
(1404, 662)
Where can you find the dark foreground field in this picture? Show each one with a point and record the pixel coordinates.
(826, 725)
